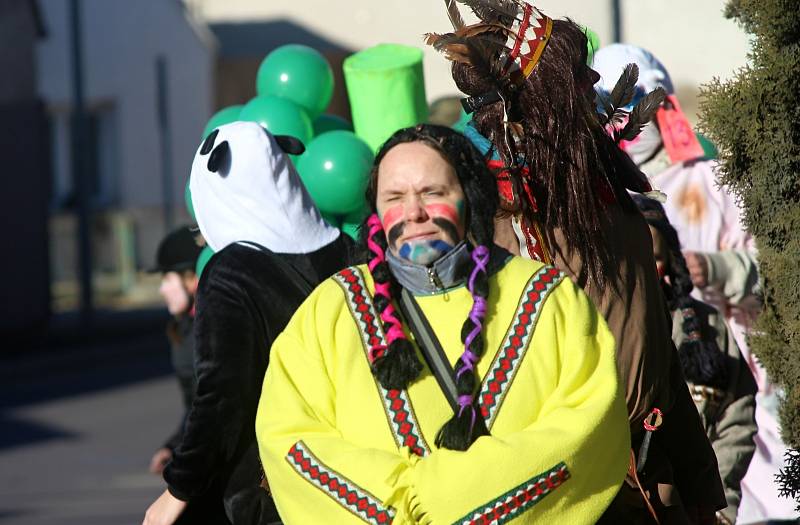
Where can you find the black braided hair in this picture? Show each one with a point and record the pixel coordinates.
(701, 359)
(467, 425)
(480, 193)
(396, 365)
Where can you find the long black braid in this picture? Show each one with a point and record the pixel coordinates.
(396, 365)
(701, 359)
(481, 197)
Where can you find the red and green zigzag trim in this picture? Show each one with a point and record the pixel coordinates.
(396, 403)
(517, 500)
(349, 495)
(506, 363)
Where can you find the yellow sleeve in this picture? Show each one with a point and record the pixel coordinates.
(315, 475)
(568, 465)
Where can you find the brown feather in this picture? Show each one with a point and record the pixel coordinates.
(493, 10)
(625, 88)
(479, 29)
(454, 14)
(642, 113)
(453, 47)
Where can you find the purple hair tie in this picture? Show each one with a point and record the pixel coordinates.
(480, 255)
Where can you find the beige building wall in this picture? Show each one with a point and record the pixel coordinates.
(691, 37)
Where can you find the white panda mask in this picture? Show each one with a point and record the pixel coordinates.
(245, 188)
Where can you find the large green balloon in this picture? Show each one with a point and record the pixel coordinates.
(297, 73)
(187, 198)
(202, 260)
(221, 117)
(335, 169)
(325, 123)
(358, 216)
(333, 220)
(279, 116)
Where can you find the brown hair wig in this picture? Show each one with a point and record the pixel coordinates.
(570, 157)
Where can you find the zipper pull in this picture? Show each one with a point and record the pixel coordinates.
(436, 282)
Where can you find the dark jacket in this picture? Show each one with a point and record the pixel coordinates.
(180, 332)
(245, 299)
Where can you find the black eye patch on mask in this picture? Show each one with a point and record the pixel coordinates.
(219, 154)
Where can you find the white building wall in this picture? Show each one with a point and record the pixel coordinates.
(691, 37)
(121, 41)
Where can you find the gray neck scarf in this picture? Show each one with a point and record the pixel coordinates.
(449, 271)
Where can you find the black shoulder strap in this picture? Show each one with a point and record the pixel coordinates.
(430, 346)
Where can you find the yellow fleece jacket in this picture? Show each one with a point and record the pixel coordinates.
(338, 448)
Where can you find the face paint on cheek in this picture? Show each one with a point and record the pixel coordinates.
(449, 219)
(424, 252)
(395, 232)
(444, 211)
(392, 216)
(449, 229)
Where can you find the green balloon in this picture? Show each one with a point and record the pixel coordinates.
(187, 198)
(351, 229)
(202, 260)
(325, 123)
(333, 220)
(297, 73)
(221, 117)
(279, 116)
(335, 169)
(358, 216)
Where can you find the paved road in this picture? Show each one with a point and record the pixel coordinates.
(77, 429)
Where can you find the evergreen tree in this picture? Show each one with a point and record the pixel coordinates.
(755, 121)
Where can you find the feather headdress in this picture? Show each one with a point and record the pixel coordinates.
(622, 124)
(507, 43)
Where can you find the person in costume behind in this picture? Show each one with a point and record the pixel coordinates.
(721, 384)
(271, 248)
(563, 186)
(719, 252)
(516, 416)
(175, 260)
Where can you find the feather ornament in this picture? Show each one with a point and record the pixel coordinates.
(642, 113)
(471, 51)
(454, 48)
(454, 14)
(479, 45)
(625, 88)
(614, 103)
(493, 10)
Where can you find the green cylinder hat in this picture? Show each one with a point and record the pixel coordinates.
(386, 88)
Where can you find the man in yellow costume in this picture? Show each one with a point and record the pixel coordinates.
(446, 381)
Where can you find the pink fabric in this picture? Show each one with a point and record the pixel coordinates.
(708, 220)
(679, 139)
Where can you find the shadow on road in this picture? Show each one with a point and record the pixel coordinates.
(123, 348)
